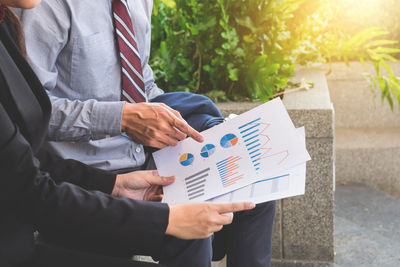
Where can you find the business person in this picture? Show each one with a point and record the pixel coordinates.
(67, 199)
(92, 57)
(99, 81)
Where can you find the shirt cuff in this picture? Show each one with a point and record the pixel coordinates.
(106, 119)
(153, 91)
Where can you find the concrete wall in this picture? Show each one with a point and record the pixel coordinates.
(356, 104)
(367, 130)
(303, 230)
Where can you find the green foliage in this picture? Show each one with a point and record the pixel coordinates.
(234, 47)
(322, 39)
(248, 49)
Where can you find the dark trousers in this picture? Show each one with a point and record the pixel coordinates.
(246, 242)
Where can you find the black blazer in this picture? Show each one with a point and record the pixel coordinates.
(63, 199)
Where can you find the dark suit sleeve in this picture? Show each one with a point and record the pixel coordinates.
(67, 210)
(75, 172)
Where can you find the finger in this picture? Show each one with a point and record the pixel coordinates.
(151, 193)
(156, 198)
(179, 123)
(187, 129)
(165, 181)
(229, 215)
(160, 191)
(155, 143)
(175, 112)
(225, 218)
(173, 133)
(169, 128)
(154, 179)
(152, 142)
(216, 228)
(166, 139)
(178, 135)
(234, 207)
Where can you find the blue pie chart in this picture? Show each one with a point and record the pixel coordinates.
(207, 150)
(186, 159)
(229, 140)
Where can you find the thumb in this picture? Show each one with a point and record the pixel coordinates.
(154, 179)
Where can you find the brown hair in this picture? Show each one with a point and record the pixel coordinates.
(16, 30)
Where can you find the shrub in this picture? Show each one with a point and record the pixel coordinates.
(248, 49)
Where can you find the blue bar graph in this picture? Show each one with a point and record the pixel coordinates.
(250, 132)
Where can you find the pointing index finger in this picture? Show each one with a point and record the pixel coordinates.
(183, 126)
(234, 207)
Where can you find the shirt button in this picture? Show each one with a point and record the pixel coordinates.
(138, 150)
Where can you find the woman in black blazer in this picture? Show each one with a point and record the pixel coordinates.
(65, 198)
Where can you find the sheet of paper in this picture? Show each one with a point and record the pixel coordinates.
(262, 141)
(288, 184)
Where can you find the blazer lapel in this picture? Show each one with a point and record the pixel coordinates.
(24, 99)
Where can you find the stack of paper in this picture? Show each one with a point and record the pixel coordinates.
(258, 156)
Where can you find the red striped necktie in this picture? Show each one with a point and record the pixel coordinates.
(133, 89)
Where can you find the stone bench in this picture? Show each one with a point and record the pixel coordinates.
(303, 230)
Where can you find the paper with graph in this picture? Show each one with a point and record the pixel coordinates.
(262, 142)
(289, 183)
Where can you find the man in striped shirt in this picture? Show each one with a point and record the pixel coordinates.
(98, 78)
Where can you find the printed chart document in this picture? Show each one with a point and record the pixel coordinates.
(288, 184)
(262, 142)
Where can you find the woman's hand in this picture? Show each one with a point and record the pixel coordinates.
(201, 220)
(141, 185)
(156, 125)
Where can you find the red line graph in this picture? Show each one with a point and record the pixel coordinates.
(267, 149)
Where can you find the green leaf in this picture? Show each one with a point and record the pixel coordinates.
(381, 43)
(387, 67)
(207, 68)
(169, 3)
(234, 74)
(366, 35)
(389, 57)
(387, 50)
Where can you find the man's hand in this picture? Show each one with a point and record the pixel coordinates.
(141, 185)
(156, 125)
(201, 220)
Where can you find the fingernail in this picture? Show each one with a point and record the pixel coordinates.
(252, 205)
(169, 178)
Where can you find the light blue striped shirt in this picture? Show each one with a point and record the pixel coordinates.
(72, 48)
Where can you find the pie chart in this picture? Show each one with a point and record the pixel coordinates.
(186, 159)
(207, 150)
(229, 140)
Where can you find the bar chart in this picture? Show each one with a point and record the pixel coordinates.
(250, 133)
(195, 184)
(228, 170)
